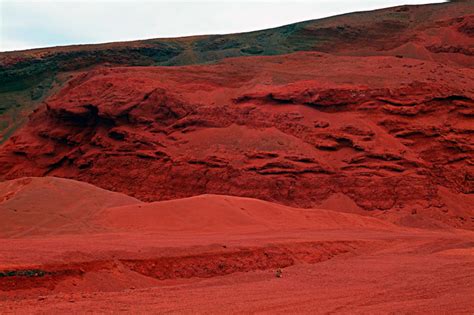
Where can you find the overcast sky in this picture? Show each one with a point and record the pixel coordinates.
(39, 23)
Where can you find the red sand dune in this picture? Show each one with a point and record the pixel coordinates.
(218, 213)
(50, 206)
(42, 206)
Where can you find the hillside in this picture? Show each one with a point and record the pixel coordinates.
(388, 133)
(321, 167)
(439, 32)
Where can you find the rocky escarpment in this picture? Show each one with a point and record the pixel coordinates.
(392, 134)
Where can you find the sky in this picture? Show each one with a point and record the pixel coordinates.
(28, 24)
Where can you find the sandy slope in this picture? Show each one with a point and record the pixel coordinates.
(48, 205)
(220, 213)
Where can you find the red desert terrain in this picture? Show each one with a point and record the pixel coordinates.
(321, 167)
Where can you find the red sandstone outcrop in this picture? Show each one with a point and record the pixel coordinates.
(295, 129)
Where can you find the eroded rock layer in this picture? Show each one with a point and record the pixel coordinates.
(392, 134)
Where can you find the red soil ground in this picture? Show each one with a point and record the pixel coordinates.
(219, 254)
